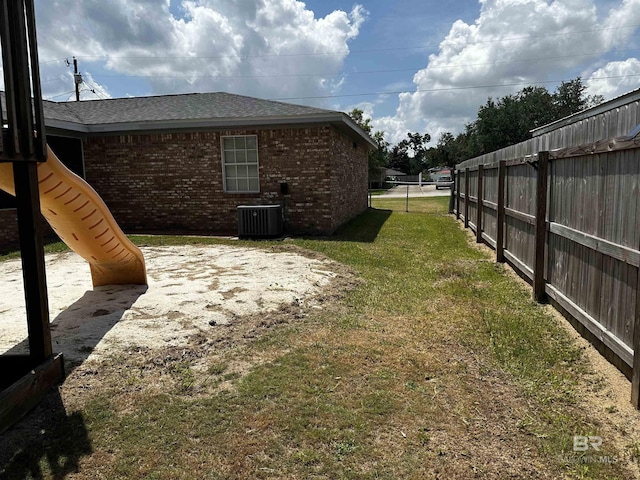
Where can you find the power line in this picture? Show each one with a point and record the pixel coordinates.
(444, 89)
(419, 90)
(398, 92)
(365, 72)
(63, 59)
(95, 90)
(60, 95)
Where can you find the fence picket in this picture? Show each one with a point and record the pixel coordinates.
(571, 226)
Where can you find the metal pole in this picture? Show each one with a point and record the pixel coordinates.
(407, 206)
(77, 79)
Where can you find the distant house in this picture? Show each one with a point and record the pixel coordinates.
(184, 163)
(390, 172)
(378, 176)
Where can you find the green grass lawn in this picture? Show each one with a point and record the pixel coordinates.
(437, 364)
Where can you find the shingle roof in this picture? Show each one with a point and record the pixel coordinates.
(52, 111)
(60, 111)
(185, 111)
(193, 106)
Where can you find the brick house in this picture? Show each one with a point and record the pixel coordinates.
(184, 163)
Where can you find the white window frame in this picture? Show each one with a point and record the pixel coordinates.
(247, 170)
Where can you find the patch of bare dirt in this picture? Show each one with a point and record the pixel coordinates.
(182, 335)
(191, 289)
(191, 368)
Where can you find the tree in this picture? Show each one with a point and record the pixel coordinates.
(495, 123)
(468, 144)
(510, 119)
(357, 115)
(399, 158)
(535, 108)
(378, 157)
(570, 98)
(447, 149)
(417, 144)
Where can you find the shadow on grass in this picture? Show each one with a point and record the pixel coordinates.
(364, 228)
(47, 443)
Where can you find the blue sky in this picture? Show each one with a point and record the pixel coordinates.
(411, 66)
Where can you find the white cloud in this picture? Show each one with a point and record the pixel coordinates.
(253, 47)
(92, 90)
(512, 43)
(59, 85)
(620, 24)
(615, 78)
(248, 47)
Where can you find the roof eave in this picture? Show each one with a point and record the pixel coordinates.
(182, 124)
(338, 119)
(66, 125)
(348, 121)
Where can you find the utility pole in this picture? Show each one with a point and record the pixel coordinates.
(77, 78)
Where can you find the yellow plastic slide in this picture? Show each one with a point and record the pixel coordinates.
(82, 220)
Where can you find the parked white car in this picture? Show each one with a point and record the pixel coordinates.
(444, 182)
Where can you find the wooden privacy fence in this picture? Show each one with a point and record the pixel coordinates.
(568, 220)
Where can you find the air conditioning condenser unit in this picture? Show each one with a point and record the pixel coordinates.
(260, 221)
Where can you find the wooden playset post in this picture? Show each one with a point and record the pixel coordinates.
(25, 379)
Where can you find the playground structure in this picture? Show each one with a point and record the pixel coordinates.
(82, 220)
(74, 210)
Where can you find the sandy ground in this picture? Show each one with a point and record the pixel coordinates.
(191, 289)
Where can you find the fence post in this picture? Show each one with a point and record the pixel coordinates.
(453, 192)
(502, 169)
(479, 205)
(541, 228)
(466, 197)
(457, 196)
(635, 374)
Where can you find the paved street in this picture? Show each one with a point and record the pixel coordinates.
(400, 191)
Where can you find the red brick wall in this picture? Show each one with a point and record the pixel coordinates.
(349, 179)
(9, 234)
(9, 228)
(172, 182)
